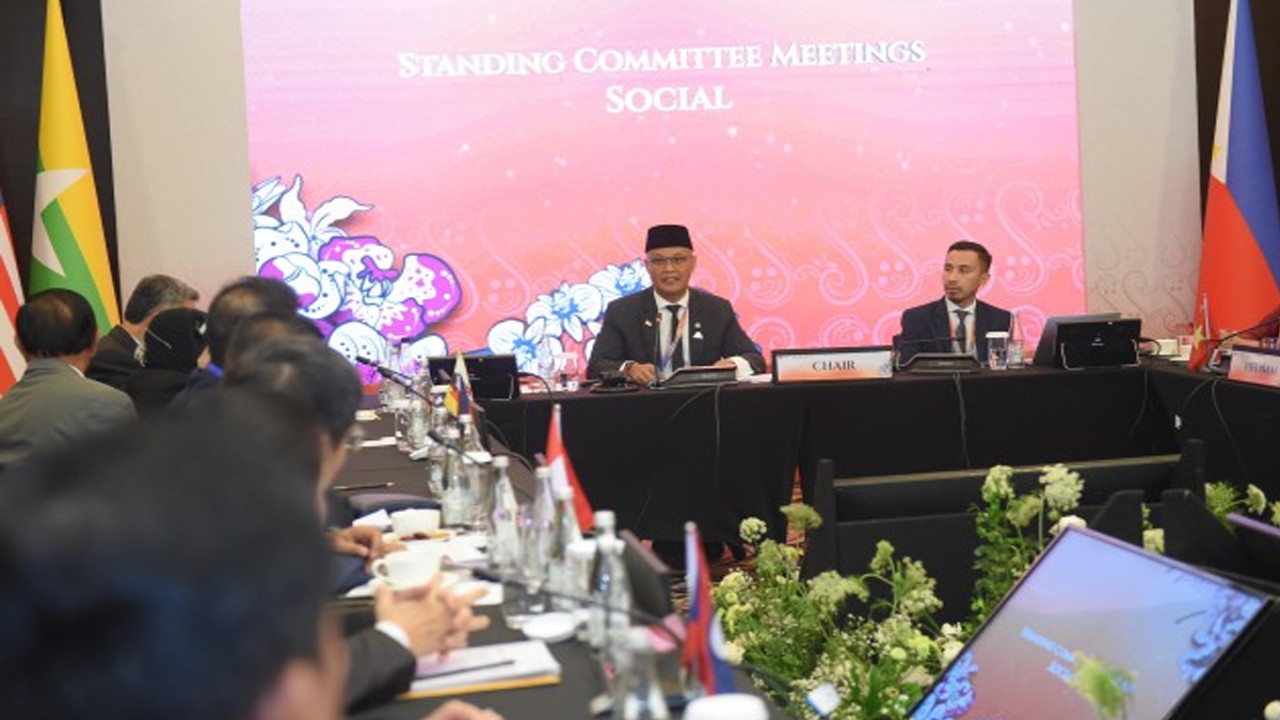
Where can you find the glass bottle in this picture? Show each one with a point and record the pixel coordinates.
(566, 533)
(455, 506)
(637, 693)
(503, 541)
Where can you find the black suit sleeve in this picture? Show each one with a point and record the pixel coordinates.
(737, 342)
(380, 669)
(610, 349)
(915, 328)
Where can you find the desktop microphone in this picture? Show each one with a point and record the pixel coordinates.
(1215, 357)
(398, 378)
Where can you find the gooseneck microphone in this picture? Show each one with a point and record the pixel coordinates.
(398, 378)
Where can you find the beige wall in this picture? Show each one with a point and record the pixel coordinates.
(1135, 62)
(177, 104)
(179, 143)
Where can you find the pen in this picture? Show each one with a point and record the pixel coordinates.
(366, 486)
(458, 671)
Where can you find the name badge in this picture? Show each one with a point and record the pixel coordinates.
(1254, 365)
(819, 364)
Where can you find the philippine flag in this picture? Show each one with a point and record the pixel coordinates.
(704, 642)
(1240, 256)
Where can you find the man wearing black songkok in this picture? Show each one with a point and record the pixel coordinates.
(650, 334)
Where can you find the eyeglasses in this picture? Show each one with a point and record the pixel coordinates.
(676, 261)
(354, 439)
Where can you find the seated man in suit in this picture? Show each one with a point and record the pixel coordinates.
(649, 335)
(121, 351)
(237, 300)
(304, 372)
(959, 321)
(54, 402)
(172, 570)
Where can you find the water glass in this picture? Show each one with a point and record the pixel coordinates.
(567, 378)
(998, 350)
(523, 601)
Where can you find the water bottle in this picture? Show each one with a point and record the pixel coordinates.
(610, 590)
(565, 535)
(1016, 349)
(637, 694)
(389, 392)
(478, 469)
(503, 541)
(455, 505)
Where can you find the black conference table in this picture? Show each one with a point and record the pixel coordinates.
(580, 682)
(661, 457)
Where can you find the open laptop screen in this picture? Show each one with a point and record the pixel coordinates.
(1161, 621)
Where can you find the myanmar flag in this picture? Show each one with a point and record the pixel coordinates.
(68, 248)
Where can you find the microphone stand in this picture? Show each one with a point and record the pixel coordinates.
(1215, 358)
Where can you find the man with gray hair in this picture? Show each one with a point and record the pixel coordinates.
(122, 351)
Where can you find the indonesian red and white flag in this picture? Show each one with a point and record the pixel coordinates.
(562, 473)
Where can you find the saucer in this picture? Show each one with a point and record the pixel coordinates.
(550, 627)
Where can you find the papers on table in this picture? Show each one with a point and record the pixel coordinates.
(380, 520)
(489, 667)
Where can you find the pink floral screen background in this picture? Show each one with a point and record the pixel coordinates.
(409, 191)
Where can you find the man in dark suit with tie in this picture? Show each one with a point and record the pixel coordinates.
(121, 352)
(959, 321)
(650, 334)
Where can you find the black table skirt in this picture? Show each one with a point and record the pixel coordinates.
(659, 458)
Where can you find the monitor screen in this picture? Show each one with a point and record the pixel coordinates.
(1163, 622)
(1261, 545)
(1046, 352)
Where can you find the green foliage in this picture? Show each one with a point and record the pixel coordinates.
(1013, 529)
(879, 662)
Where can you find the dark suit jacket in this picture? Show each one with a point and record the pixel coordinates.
(114, 361)
(53, 404)
(380, 669)
(630, 327)
(924, 322)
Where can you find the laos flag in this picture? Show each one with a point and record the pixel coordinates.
(1240, 256)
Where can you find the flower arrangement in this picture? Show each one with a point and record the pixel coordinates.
(1013, 529)
(1223, 498)
(879, 662)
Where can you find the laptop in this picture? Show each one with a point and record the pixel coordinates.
(493, 377)
(1164, 624)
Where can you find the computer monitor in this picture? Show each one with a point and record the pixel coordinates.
(1046, 350)
(493, 377)
(1165, 623)
(1261, 545)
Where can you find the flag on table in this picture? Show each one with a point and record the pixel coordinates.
(703, 653)
(1240, 256)
(457, 399)
(12, 363)
(562, 473)
(68, 247)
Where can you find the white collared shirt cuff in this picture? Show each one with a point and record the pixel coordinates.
(395, 632)
(743, 367)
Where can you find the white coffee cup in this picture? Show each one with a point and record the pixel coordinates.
(727, 706)
(415, 522)
(406, 569)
